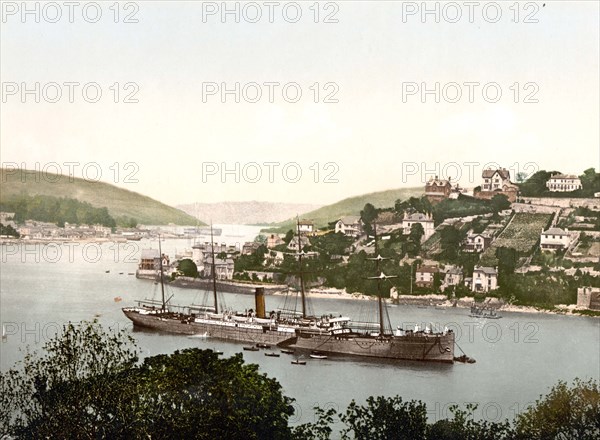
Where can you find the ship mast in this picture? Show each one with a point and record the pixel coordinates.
(214, 274)
(379, 273)
(162, 282)
(380, 277)
(300, 255)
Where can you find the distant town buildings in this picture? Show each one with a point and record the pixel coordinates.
(350, 226)
(563, 183)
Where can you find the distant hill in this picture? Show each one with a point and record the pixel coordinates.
(246, 213)
(350, 206)
(119, 202)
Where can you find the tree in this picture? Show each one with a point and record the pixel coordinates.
(188, 268)
(521, 177)
(288, 237)
(368, 215)
(499, 203)
(89, 385)
(450, 239)
(65, 390)
(385, 418)
(566, 412)
(507, 260)
(8, 230)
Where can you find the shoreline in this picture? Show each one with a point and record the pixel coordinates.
(441, 301)
(423, 301)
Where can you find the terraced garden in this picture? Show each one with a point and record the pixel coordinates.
(522, 234)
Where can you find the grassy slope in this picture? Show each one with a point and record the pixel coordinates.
(350, 206)
(120, 202)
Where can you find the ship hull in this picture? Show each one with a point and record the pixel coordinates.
(414, 347)
(230, 331)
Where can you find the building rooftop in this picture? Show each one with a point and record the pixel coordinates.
(486, 270)
(555, 231)
(504, 173)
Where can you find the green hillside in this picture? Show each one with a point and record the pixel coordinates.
(350, 206)
(120, 202)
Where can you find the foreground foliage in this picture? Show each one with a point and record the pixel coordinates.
(89, 383)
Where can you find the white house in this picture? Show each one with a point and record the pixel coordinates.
(223, 268)
(306, 227)
(453, 276)
(350, 225)
(563, 183)
(477, 243)
(484, 279)
(424, 220)
(555, 238)
(495, 180)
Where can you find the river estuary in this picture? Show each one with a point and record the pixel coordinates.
(518, 357)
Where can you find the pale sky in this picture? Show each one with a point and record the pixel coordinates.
(371, 139)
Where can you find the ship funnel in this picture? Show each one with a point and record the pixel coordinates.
(259, 297)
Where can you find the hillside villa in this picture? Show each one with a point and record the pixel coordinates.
(274, 240)
(497, 181)
(306, 227)
(223, 268)
(484, 279)
(424, 275)
(350, 226)
(555, 239)
(563, 183)
(453, 276)
(477, 243)
(425, 220)
(437, 190)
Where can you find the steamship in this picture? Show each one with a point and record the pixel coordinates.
(253, 326)
(298, 331)
(376, 341)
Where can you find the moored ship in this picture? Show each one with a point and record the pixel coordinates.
(252, 326)
(341, 338)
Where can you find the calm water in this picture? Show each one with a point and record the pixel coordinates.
(518, 357)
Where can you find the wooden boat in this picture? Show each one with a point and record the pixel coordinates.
(298, 362)
(263, 345)
(251, 348)
(272, 354)
(286, 351)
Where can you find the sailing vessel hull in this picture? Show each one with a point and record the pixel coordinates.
(415, 347)
(230, 331)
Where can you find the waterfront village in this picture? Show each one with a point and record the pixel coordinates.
(500, 242)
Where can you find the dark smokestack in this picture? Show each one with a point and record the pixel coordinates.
(259, 297)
